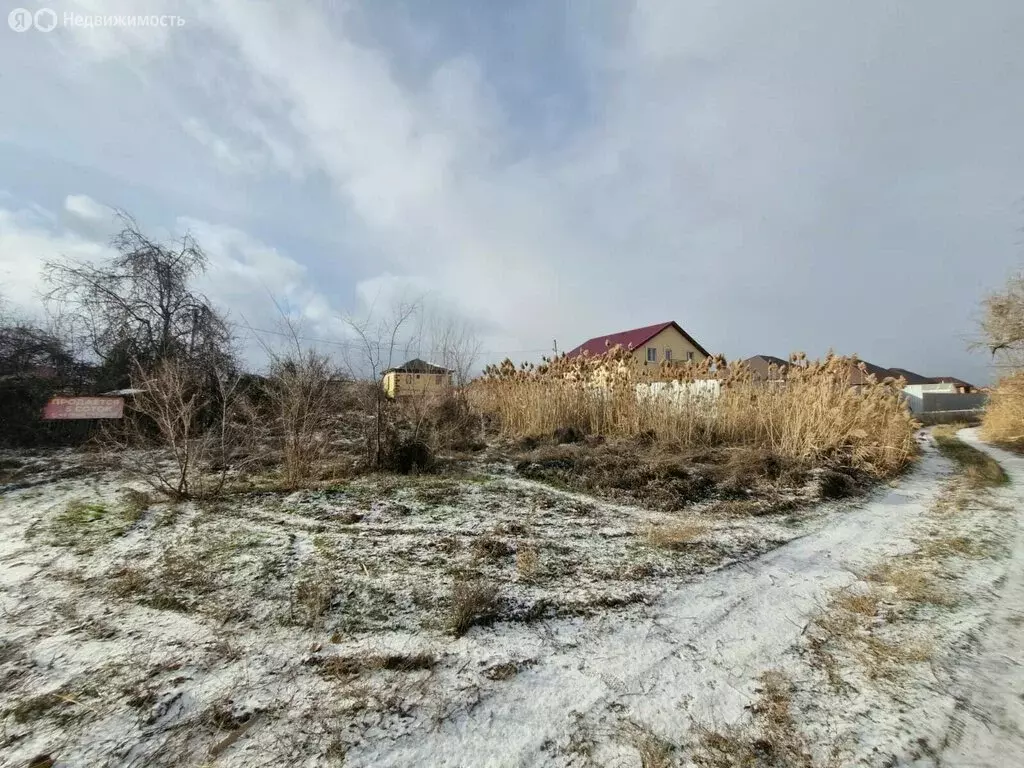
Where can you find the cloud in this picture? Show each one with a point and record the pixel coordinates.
(29, 237)
(794, 177)
(244, 277)
(87, 209)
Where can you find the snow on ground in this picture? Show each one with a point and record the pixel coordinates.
(315, 628)
(986, 729)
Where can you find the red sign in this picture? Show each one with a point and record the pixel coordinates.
(84, 408)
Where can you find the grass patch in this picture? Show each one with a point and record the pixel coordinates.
(312, 595)
(135, 503)
(911, 583)
(184, 576)
(527, 562)
(473, 603)
(676, 536)
(83, 526)
(864, 622)
(956, 546)
(979, 469)
(344, 667)
(63, 705)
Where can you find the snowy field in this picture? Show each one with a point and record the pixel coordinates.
(489, 620)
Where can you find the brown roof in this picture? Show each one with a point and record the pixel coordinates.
(859, 377)
(767, 366)
(417, 366)
(633, 339)
(910, 376)
(763, 365)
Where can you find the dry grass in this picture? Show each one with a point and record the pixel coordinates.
(816, 416)
(344, 667)
(957, 546)
(312, 595)
(1003, 423)
(864, 622)
(677, 535)
(473, 602)
(655, 752)
(978, 468)
(771, 741)
(527, 562)
(911, 582)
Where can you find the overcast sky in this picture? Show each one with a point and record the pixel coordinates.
(775, 176)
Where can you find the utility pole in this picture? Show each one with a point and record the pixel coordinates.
(556, 347)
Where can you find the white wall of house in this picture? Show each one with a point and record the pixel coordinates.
(928, 398)
(915, 393)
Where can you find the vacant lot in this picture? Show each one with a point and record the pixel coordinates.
(487, 618)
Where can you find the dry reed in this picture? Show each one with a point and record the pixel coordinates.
(813, 415)
(1003, 423)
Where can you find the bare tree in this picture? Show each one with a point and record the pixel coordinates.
(455, 345)
(175, 410)
(378, 340)
(139, 308)
(1002, 325)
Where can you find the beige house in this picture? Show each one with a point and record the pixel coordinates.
(650, 345)
(415, 378)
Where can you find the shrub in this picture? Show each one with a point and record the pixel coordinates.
(473, 602)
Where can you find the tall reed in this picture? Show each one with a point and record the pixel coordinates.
(1003, 422)
(812, 414)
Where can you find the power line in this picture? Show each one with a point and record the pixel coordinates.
(354, 344)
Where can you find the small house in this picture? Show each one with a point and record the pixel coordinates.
(415, 378)
(650, 345)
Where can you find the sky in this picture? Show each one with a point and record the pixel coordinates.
(774, 176)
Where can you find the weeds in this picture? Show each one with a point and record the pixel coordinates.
(473, 603)
(312, 596)
(855, 620)
(655, 752)
(910, 582)
(956, 546)
(135, 503)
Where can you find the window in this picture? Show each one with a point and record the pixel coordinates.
(652, 354)
(668, 354)
(689, 357)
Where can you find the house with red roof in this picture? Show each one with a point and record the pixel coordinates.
(650, 345)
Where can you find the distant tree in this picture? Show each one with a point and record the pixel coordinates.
(454, 344)
(379, 338)
(138, 308)
(25, 349)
